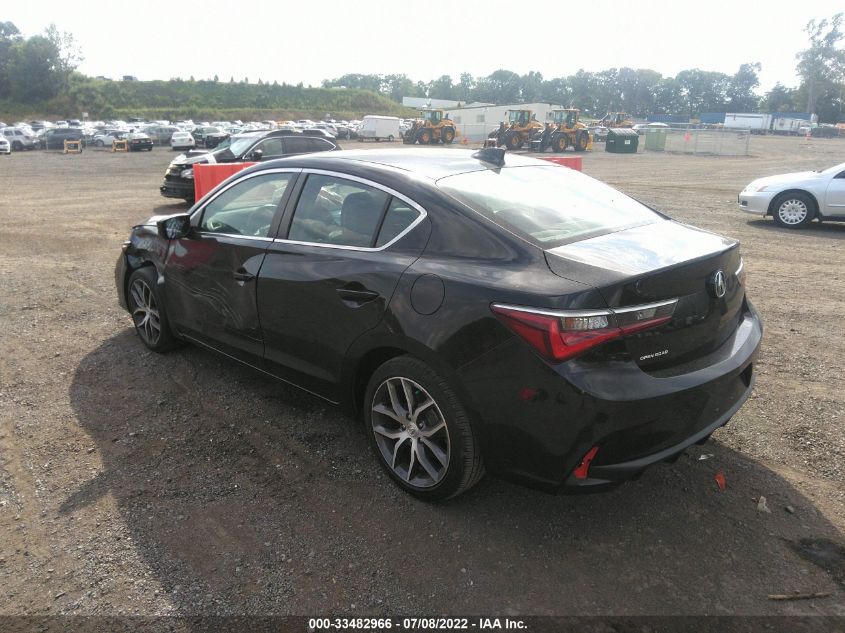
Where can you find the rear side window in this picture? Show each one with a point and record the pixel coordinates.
(400, 215)
(337, 211)
(296, 145)
(319, 145)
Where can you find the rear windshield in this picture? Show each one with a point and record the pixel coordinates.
(548, 206)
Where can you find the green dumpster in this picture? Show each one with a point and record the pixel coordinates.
(622, 140)
(655, 140)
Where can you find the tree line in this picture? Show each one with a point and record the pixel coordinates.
(38, 74)
(821, 68)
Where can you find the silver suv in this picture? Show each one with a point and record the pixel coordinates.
(18, 139)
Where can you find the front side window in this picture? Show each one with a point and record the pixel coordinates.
(271, 148)
(248, 207)
(336, 211)
(548, 206)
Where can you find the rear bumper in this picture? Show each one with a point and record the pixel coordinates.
(609, 475)
(636, 419)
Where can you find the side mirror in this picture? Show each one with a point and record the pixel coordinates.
(175, 227)
(256, 155)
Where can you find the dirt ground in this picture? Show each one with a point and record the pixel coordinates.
(133, 483)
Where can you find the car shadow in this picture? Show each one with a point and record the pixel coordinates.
(831, 230)
(244, 495)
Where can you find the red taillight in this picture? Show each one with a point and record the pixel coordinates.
(563, 335)
(583, 469)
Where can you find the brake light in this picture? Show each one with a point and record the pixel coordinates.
(583, 469)
(561, 335)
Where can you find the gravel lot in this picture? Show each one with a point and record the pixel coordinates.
(133, 483)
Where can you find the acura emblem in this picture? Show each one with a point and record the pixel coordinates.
(720, 287)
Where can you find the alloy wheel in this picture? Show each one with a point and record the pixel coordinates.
(145, 313)
(410, 432)
(792, 211)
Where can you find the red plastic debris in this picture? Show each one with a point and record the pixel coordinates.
(721, 481)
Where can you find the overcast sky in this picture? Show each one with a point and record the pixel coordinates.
(310, 41)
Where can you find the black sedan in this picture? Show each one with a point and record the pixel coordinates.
(139, 141)
(479, 311)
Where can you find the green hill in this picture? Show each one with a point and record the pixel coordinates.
(203, 100)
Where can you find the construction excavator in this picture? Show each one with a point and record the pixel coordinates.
(520, 127)
(432, 127)
(565, 130)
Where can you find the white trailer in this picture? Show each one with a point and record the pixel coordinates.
(376, 127)
(757, 123)
(786, 125)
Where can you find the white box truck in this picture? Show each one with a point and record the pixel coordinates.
(376, 127)
(787, 125)
(757, 123)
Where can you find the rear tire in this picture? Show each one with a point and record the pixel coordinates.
(149, 314)
(793, 210)
(420, 431)
(448, 135)
(425, 137)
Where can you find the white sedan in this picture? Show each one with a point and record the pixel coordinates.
(5, 147)
(182, 140)
(794, 200)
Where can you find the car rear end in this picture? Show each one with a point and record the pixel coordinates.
(139, 142)
(182, 140)
(657, 355)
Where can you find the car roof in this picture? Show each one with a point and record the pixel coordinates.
(430, 163)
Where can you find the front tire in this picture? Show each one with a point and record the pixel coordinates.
(581, 142)
(148, 312)
(419, 430)
(513, 141)
(793, 210)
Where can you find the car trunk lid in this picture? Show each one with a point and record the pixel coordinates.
(658, 262)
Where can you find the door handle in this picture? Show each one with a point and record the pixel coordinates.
(356, 295)
(242, 275)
